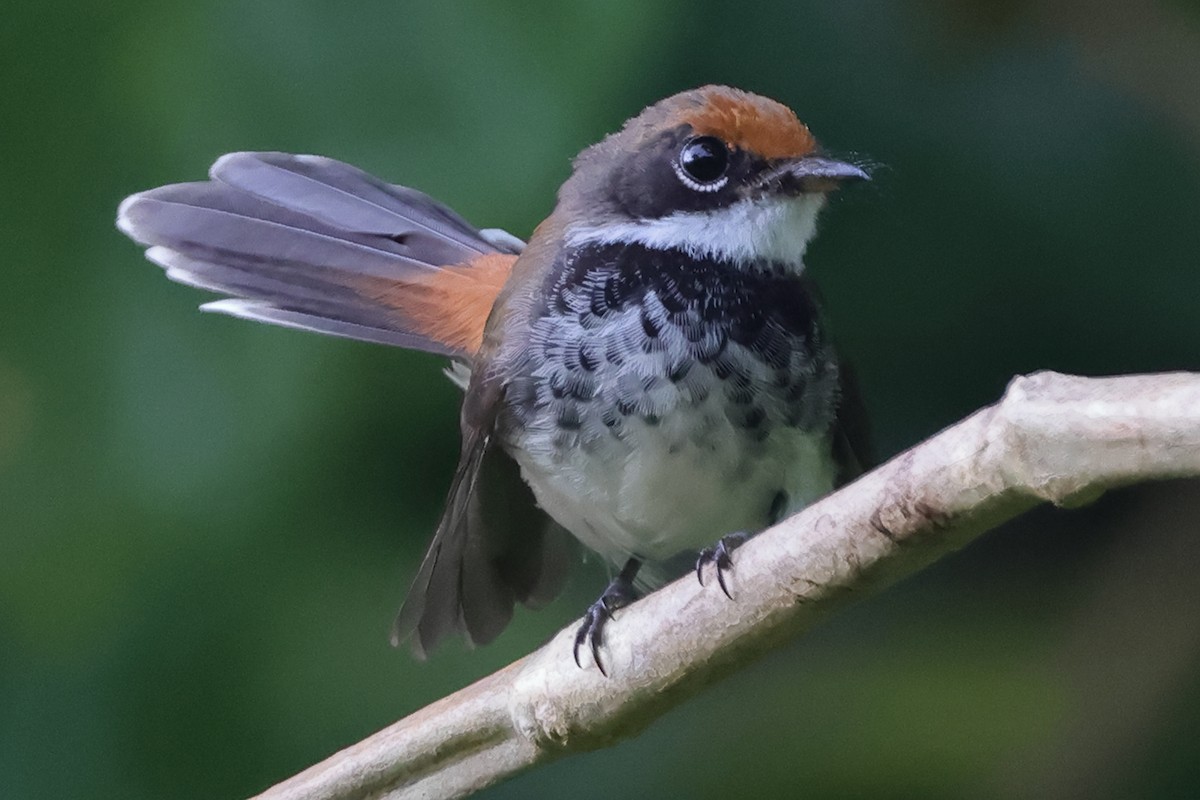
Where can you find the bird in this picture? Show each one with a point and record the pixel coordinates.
(650, 374)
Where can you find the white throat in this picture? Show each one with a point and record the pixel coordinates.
(766, 229)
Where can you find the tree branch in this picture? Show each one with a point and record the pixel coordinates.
(1053, 437)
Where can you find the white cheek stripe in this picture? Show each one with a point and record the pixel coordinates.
(750, 230)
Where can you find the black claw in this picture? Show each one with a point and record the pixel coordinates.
(591, 631)
(724, 562)
(721, 556)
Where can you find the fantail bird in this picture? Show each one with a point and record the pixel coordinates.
(653, 360)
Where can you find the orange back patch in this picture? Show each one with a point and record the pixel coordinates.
(750, 122)
(452, 305)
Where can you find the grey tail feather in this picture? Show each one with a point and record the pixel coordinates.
(303, 241)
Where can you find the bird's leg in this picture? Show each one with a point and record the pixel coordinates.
(619, 594)
(720, 554)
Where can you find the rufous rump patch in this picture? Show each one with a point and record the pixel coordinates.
(750, 122)
(452, 305)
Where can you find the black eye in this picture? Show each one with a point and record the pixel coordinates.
(702, 163)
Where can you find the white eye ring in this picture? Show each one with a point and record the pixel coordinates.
(696, 186)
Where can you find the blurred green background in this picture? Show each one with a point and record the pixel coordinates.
(206, 525)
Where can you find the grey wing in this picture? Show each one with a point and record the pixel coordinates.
(306, 242)
(493, 548)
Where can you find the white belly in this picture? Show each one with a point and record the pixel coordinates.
(652, 500)
(677, 484)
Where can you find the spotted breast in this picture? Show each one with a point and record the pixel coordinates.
(666, 400)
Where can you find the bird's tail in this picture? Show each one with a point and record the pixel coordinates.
(309, 242)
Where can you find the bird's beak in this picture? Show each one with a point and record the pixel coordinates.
(812, 174)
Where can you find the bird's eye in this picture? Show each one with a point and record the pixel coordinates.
(702, 163)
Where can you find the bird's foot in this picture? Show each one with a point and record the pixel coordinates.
(619, 594)
(720, 555)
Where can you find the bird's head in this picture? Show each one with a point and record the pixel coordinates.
(716, 172)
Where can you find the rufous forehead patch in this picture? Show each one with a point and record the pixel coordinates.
(750, 122)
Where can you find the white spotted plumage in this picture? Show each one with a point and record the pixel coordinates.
(691, 475)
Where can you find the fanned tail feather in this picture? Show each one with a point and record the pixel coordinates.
(313, 243)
